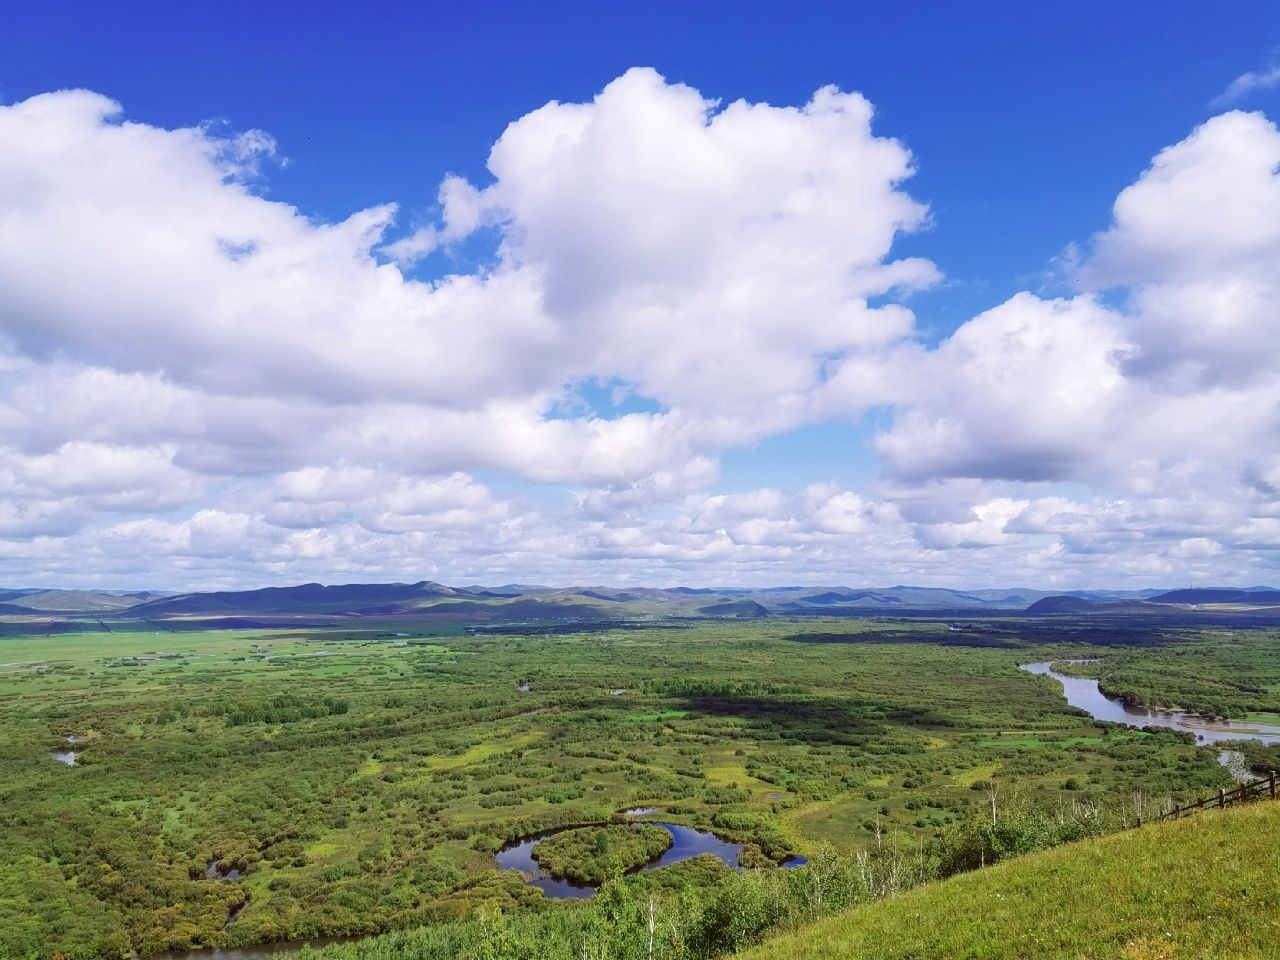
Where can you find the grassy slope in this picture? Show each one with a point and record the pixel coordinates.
(1199, 888)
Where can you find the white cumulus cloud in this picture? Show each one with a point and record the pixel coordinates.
(200, 385)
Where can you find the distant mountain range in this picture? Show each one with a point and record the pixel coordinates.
(39, 600)
(1219, 599)
(511, 602)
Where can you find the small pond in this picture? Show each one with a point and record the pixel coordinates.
(214, 871)
(68, 757)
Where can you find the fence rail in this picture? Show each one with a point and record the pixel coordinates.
(1264, 789)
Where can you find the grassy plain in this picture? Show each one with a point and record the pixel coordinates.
(361, 781)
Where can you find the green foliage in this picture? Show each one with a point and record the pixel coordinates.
(633, 920)
(282, 708)
(1261, 758)
(1016, 826)
(1184, 890)
(593, 854)
(1214, 674)
(365, 790)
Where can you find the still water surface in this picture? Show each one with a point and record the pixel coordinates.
(686, 843)
(263, 951)
(68, 756)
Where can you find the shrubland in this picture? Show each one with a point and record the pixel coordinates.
(361, 783)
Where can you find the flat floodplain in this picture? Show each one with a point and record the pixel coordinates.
(362, 780)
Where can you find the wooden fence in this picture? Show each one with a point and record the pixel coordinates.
(1264, 789)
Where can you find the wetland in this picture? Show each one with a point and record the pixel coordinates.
(402, 782)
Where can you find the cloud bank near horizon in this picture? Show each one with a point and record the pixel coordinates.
(202, 386)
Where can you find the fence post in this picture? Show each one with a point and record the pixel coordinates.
(1271, 782)
(1222, 799)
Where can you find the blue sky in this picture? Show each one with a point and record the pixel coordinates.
(1022, 132)
(1024, 128)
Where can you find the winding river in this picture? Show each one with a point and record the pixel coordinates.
(686, 843)
(1084, 693)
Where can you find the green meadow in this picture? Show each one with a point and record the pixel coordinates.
(361, 782)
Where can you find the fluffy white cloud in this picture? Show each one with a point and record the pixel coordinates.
(165, 329)
(1167, 405)
(645, 236)
(118, 478)
(1197, 242)
(145, 250)
(1025, 391)
(717, 261)
(988, 528)
(714, 257)
(201, 385)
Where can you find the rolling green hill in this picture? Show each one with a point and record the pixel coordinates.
(1205, 887)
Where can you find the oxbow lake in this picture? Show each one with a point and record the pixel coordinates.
(686, 844)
